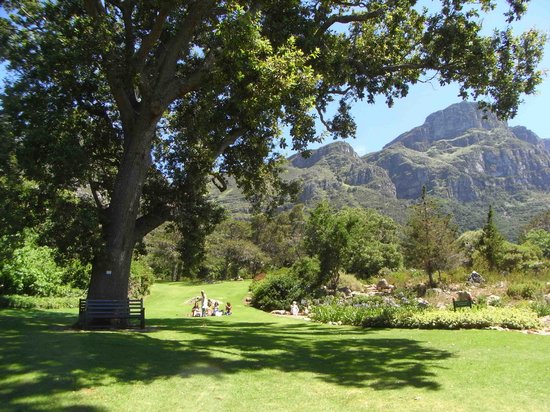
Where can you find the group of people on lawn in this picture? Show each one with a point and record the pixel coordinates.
(209, 307)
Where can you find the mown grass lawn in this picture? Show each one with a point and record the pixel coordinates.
(255, 361)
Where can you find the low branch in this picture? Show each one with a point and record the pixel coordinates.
(180, 87)
(149, 222)
(340, 91)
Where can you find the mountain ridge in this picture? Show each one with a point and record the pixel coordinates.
(467, 158)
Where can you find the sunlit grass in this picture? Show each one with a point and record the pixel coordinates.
(255, 361)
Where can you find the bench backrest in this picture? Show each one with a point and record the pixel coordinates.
(95, 306)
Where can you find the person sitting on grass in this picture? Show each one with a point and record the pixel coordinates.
(216, 311)
(228, 309)
(196, 312)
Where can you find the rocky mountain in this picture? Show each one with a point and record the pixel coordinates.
(464, 154)
(466, 157)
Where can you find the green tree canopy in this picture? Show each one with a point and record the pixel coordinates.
(491, 243)
(281, 236)
(430, 237)
(142, 103)
(354, 240)
(232, 253)
(541, 239)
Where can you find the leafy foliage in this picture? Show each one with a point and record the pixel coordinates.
(519, 257)
(230, 252)
(540, 221)
(491, 242)
(161, 253)
(32, 270)
(280, 236)
(278, 290)
(541, 239)
(407, 317)
(141, 279)
(356, 240)
(526, 290)
(429, 238)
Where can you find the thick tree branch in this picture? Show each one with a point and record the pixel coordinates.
(98, 111)
(323, 120)
(228, 141)
(114, 73)
(149, 222)
(129, 36)
(152, 37)
(180, 87)
(354, 17)
(123, 100)
(416, 66)
(180, 42)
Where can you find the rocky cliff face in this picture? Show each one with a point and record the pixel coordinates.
(448, 124)
(459, 153)
(464, 154)
(337, 168)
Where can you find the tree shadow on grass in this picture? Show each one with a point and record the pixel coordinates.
(61, 359)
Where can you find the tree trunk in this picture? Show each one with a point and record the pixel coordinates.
(111, 265)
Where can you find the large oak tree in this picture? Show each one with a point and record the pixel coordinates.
(143, 102)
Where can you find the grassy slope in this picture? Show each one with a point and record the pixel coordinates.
(253, 360)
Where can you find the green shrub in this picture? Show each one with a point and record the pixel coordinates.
(541, 239)
(374, 313)
(410, 317)
(403, 277)
(350, 281)
(519, 257)
(540, 307)
(32, 270)
(277, 290)
(525, 290)
(34, 302)
(511, 318)
(348, 315)
(76, 274)
(141, 279)
(307, 269)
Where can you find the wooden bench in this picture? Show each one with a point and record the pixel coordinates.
(105, 314)
(462, 304)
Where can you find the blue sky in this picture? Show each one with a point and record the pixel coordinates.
(378, 124)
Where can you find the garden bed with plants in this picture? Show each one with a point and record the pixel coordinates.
(410, 316)
(512, 304)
